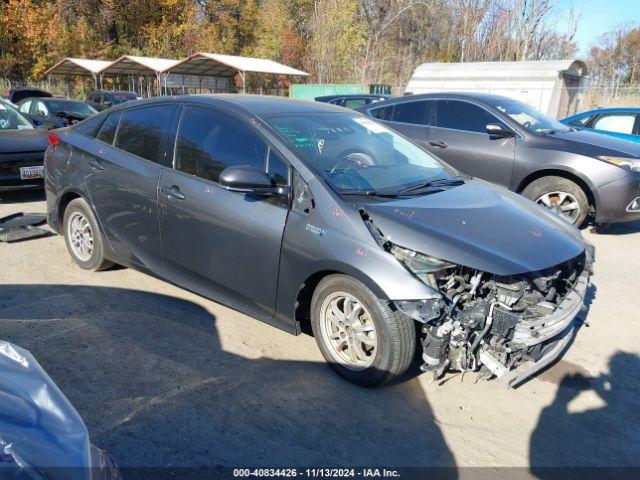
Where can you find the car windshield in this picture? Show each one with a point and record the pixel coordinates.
(71, 107)
(11, 119)
(355, 153)
(528, 117)
(123, 97)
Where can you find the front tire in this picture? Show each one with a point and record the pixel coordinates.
(561, 196)
(82, 236)
(360, 337)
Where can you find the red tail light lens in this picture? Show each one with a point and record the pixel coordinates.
(53, 140)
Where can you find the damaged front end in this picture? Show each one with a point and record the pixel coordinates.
(509, 327)
(504, 326)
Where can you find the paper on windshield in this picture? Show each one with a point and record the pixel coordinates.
(370, 125)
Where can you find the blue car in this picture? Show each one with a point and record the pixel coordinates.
(617, 122)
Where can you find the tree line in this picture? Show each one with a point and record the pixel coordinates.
(336, 41)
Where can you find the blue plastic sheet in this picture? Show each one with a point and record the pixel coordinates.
(41, 434)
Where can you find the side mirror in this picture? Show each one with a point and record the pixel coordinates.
(248, 179)
(497, 130)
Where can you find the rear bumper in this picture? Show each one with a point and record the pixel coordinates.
(615, 199)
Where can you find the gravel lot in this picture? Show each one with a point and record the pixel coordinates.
(164, 378)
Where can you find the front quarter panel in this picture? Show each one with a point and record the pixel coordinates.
(334, 238)
(533, 158)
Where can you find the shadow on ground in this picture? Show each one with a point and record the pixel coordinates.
(148, 374)
(22, 196)
(625, 228)
(606, 436)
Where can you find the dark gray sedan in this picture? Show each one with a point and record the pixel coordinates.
(574, 173)
(314, 218)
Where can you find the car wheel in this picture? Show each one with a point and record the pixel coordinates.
(561, 196)
(82, 236)
(360, 337)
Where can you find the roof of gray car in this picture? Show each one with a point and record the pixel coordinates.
(253, 104)
(483, 97)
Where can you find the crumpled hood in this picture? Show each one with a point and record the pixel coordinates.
(480, 226)
(593, 143)
(23, 141)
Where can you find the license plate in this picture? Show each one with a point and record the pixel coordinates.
(29, 173)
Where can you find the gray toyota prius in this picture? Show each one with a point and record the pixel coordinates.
(572, 172)
(314, 218)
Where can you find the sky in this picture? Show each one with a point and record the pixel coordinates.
(600, 16)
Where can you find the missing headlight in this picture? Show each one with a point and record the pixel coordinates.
(420, 310)
(425, 267)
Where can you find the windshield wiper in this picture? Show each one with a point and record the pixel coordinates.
(439, 182)
(368, 193)
(548, 131)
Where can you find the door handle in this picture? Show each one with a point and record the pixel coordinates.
(438, 143)
(173, 192)
(95, 165)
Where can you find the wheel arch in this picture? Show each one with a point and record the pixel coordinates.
(65, 199)
(302, 306)
(571, 175)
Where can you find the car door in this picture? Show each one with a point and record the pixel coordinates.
(409, 117)
(224, 245)
(617, 124)
(458, 136)
(123, 167)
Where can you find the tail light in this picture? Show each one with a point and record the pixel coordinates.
(53, 139)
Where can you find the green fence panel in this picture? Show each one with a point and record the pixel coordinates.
(311, 90)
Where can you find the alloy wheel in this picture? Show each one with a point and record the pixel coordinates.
(80, 236)
(562, 203)
(348, 331)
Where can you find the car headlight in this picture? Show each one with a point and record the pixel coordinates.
(630, 164)
(425, 267)
(419, 263)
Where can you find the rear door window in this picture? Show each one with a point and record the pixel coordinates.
(41, 109)
(209, 141)
(416, 113)
(108, 130)
(466, 116)
(619, 123)
(383, 113)
(355, 102)
(580, 121)
(142, 130)
(26, 106)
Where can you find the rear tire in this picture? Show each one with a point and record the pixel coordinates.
(82, 236)
(561, 196)
(360, 337)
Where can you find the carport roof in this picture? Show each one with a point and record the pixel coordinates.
(131, 64)
(77, 66)
(219, 65)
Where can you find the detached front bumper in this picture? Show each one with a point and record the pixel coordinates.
(549, 337)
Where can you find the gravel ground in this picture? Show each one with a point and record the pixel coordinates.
(164, 378)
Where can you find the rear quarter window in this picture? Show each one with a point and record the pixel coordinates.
(90, 126)
(108, 129)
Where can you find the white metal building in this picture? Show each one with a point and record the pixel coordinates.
(551, 86)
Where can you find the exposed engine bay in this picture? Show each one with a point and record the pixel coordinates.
(494, 324)
(508, 327)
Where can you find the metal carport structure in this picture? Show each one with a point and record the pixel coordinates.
(205, 64)
(78, 67)
(132, 65)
